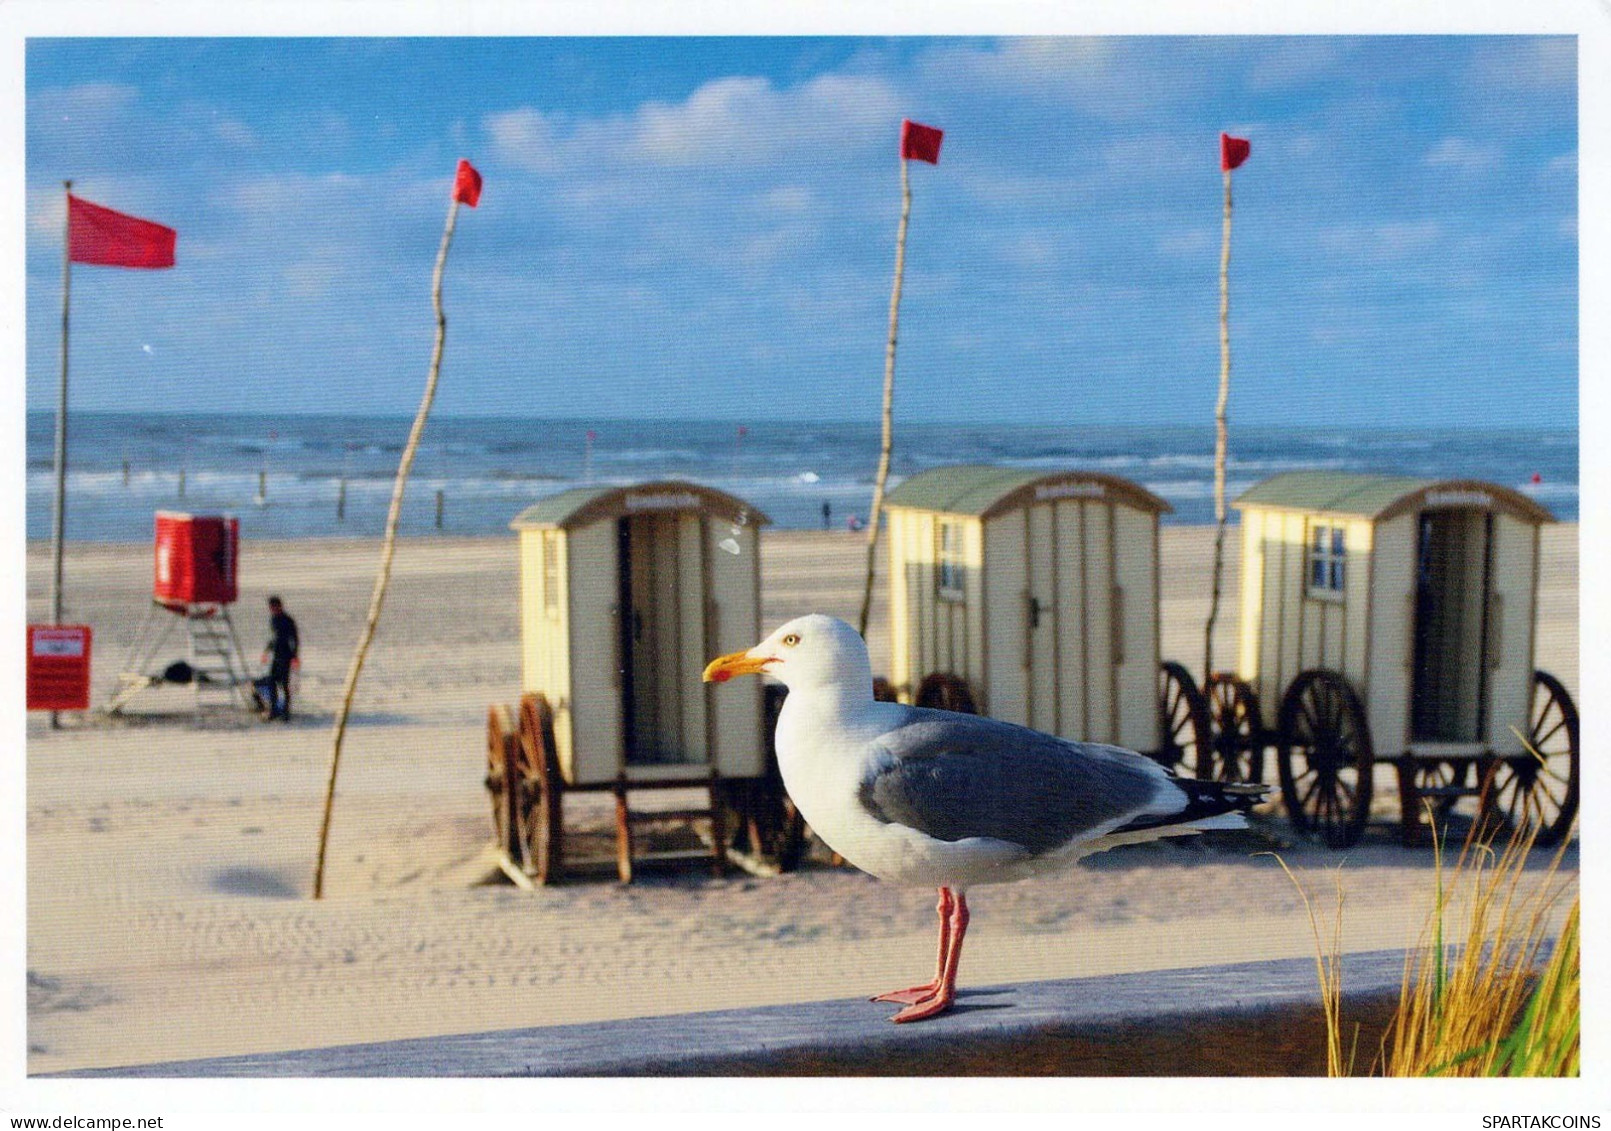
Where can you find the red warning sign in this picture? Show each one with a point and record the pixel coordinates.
(58, 667)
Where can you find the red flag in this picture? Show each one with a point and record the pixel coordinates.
(920, 143)
(1232, 151)
(105, 238)
(467, 184)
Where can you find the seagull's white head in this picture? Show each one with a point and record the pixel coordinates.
(814, 651)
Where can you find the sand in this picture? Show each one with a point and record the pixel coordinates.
(169, 863)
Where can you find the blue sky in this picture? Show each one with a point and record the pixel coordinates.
(705, 227)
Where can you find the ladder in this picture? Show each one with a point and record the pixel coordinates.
(217, 665)
(213, 651)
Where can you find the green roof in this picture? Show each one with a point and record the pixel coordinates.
(960, 489)
(1379, 496)
(555, 509)
(580, 506)
(981, 489)
(1332, 491)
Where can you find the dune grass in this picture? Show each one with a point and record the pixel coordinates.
(1475, 999)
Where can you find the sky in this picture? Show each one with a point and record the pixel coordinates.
(705, 227)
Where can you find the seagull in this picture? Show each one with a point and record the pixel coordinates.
(919, 796)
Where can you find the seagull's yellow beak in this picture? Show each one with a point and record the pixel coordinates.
(724, 668)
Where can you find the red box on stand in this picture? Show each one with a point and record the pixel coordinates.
(196, 556)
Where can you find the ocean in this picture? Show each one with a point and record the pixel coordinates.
(284, 475)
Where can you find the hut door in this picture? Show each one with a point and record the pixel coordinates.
(651, 619)
(1040, 618)
(1448, 697)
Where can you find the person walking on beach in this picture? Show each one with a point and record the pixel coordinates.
(282, 647)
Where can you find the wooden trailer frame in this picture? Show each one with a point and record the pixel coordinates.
(1396, 615)
(1032, 596)
(626, 591)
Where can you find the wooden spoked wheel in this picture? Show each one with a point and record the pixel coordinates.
(946, 692)
(501, 783)
(1238, 728)
(1326, 759)
(542, 790)
(1184, 725)
(1538, 789)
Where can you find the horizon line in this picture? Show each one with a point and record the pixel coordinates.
(1507, 426)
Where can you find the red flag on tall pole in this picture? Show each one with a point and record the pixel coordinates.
(1233, 151)
(104, 238)
(919, 142)
(467, 184)
(466, 190)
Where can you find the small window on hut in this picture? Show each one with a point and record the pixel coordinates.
(950, 576)
(551, 574)
(1328, 560)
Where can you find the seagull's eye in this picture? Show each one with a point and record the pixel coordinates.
(791, 640)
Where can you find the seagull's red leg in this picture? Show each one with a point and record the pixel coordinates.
(947, 991)
(919, 993)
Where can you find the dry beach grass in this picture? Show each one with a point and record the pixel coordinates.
(169, 865)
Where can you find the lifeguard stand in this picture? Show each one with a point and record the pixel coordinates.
(196, 560)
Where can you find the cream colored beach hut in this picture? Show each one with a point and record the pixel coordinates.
(626, 593)
(1390, 617)
(1035, 595)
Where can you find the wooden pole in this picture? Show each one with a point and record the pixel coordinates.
(887, 440)
(1220, 514)
(58, 523)
(388, 545)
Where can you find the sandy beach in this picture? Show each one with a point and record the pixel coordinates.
(169, 864)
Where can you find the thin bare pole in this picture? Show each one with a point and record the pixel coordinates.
(378, 597)
(1220, 432)
(889, 400)
(58, 523)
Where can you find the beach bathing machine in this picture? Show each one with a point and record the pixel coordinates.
(1032, 597)
(1394, 617)
(625, 592)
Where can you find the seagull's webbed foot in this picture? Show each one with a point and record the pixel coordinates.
(915, 994)
(922, 1010)
(923, 1002)
(911, 996)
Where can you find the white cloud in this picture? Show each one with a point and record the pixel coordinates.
(1295, 62)
(734, 121)
(1185, 244)
(1114, 79)
(275, 197)
(789, 200)
(87, 106)
(1390, 240)
(234, 132)
(1563, 166)
(525, 138)
(1525, 64)
(1458, 153)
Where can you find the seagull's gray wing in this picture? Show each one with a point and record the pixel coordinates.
(953, 776)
